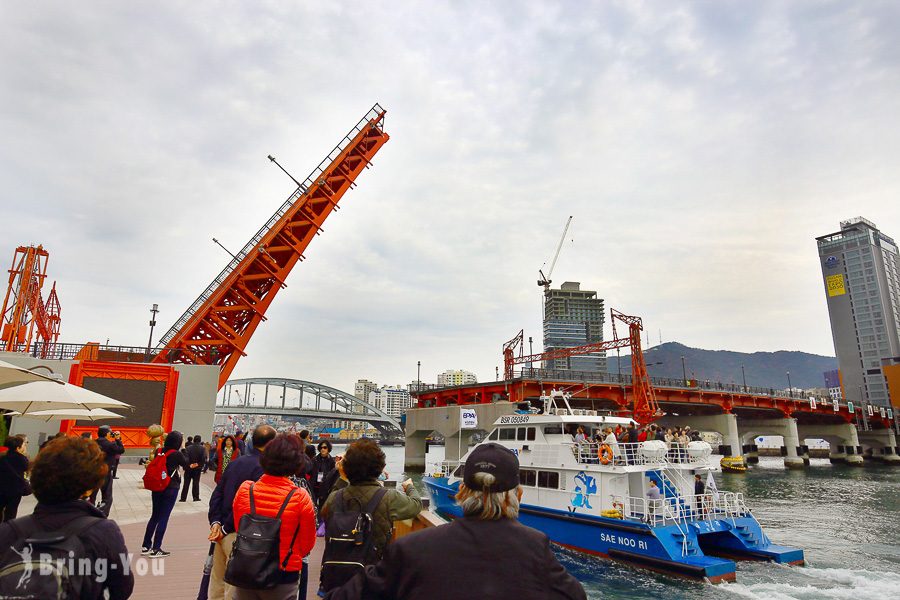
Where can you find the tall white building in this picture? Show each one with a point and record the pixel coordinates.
(393, 400)
(362, 389)
(861, 281)
(452, 377)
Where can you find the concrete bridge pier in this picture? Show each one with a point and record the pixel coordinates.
(883, 445)
(724, 424)
(843, 439)
(414, 452)
(750, 449)
(446, 420)
(787, 429)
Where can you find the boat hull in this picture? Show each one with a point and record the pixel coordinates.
(702, 552)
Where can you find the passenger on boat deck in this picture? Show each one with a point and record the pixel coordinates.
(580, 438)
(613, 444)
(653, 498)
(660, 434)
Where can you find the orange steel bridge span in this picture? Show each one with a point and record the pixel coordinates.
(674, 397)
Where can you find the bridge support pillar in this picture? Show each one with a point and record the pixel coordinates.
(454, 447)
(787, 428)
(414, 452)
(843, 440)
(751, 454)
(853, 448)
(791, 450)
(724, 424)
(882, 443)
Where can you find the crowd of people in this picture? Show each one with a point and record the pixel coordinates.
(269, 477)
(620, 442)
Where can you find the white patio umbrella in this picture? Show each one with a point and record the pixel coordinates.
(52, 395)
(13, 375)
(79, 414)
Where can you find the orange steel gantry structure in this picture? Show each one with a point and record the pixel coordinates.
(645, 408)
(216, 328)
(25, 312)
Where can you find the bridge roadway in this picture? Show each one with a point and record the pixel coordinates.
(738, 413)
(276, 396)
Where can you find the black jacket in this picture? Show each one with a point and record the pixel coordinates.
(196, 453)
(321, 465)
(111, 448)
(101, 541)
(12, 474)
(511, 561)
(243, 468)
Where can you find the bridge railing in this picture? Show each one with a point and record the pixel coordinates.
(624, 379)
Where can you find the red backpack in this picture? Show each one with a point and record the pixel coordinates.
(156, 479)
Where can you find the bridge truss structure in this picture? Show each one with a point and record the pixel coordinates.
(271, 396)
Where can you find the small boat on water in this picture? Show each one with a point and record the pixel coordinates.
(594, 497)
(733, 464)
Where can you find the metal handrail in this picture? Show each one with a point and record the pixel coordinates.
(375, 112)
(626, 454)
(683, 509)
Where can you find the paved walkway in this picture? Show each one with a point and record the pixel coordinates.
(178, 576)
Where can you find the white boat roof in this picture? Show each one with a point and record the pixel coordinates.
(539, 419)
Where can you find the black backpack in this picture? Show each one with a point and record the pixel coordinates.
(36, 566)
(349, 543)
(254, 557)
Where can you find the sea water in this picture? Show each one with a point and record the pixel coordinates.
(846, 519)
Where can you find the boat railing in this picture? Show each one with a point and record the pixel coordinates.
(681, 509)
(625, 454)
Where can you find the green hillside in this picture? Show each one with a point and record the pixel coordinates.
(764, 369)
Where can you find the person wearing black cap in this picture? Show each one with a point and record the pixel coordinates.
(511, 561)
(111, 445)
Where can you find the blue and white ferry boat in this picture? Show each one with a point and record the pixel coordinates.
(593, 497)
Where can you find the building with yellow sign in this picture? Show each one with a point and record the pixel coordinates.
(861, 278)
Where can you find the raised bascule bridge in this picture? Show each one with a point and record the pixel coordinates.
(738, 413)
(175, 382)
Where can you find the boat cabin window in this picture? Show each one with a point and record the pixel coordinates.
(460, 470)
(553, 429)
(525, 434)
(548, 479)
(527, 477)
(508, 433)
(521, 434)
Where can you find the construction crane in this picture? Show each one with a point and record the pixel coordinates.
(645, 408)
(545, 279)
(25, 313)
(217, 327)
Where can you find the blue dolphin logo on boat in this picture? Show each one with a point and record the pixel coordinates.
(581, 498)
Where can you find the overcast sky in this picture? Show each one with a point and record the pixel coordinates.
(701, 148)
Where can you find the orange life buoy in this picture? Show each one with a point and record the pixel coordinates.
(605, 454)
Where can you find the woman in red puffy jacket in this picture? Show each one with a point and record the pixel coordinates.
(279, 461)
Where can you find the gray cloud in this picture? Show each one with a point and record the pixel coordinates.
(700, 146)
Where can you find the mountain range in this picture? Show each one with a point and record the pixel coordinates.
(764, 369)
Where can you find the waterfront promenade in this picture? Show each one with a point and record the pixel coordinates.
(185, 538)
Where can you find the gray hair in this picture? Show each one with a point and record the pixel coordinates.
(486, 505)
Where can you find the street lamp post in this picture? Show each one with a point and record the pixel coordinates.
(530, 353)
(153, 312)
(790, 387)
(744, 377)
(418, 376)
(683, 371)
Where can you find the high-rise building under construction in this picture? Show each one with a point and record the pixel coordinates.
(574, 317)
(861, 277)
